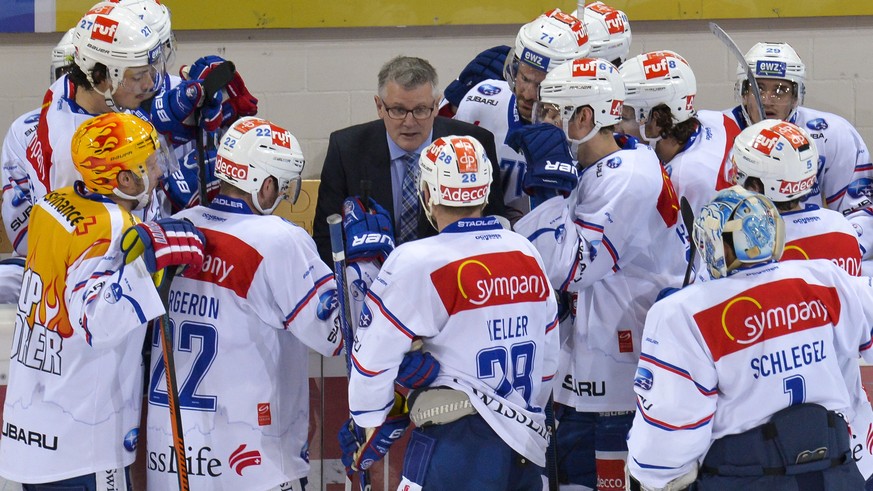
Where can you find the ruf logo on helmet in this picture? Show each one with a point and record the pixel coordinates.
(433, 150)
(104, 29)
(585, 67)
(281, 137)
(765, 141)
(576, 26)
(614, 22)
(655, 66)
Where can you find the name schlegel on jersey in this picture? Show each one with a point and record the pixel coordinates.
(65, 212)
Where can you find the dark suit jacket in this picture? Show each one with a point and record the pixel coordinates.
(360, 152)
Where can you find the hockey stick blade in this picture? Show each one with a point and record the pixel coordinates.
(750, 75)
(688, 220)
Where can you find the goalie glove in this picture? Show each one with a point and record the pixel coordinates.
(162, 243)
(369, 231)
(362, 447)
(551, 170)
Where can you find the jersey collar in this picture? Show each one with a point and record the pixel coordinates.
(230, 205)
(81, 190)
(473, 225)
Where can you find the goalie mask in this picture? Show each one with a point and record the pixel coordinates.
(253, 150)
(62, 56)
(780, 154)
(118, 39)
(659, 77)
(747, 221)
(110, 143)
(456, 172)
(584, 82)
(777, 61)
(548, 41)
(609, 32)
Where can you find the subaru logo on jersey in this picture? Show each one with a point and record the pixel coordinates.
(327, 303)
(644, 378)
(366, 316)
(488, 280)
(241, 458)
(32, 119)
(861, 187)
(770, 68)
(131, 439)
(104, 29)
(613, 163)
(113, 293)
(535, 60)
(817, 124)
(766, 312)
(488, 89)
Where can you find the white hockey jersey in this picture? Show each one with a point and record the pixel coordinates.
(699, 170)
(491, 105)
(721, 357)
(820, 233)
(16, 202)
(478, 298)
(616, 242)
(241, 330)
(75, 376)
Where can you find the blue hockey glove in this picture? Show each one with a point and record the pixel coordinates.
(666, 292)
(182, 187)
(551, 170)
(369, 233)
(487, 65)
(165, 242)
(362, 447)
(418, 369)
(625, 141)
(237, 100)
(173, 111)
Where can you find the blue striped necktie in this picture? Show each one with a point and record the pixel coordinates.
(409, 204)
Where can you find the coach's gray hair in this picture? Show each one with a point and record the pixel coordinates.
(408, 72)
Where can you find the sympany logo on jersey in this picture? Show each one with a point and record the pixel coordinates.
(228, 262)
(766, 312)
(841, 249)
(490, 279)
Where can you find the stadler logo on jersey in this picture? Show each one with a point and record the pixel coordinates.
(104, 29)
(231, 168)
(490, 279)
(488, 89)
(770, 68)
(766, 312)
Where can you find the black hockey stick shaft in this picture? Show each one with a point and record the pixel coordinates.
(750, 75)
(552, 449)
(688, 220)
(172, 385)
(215, 80)
(338, 252)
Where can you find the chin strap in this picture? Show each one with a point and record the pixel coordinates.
(265, 211)
(141, 199)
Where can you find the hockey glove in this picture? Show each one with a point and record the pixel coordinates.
(165, 242)
(666, 292)
(369, 232)
(551, 170)
(362, 447)
(182, 187)
(487, 65)
(237, 102)
(418, 369)
(173, 111)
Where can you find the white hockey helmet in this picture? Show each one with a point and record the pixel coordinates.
(609, 32)
(252, 150)
(748, 221)
(62, 56)
(659, 77)
(775, 61)
(157, 16)
(456, 172)
(548, 41)
(583, 82)
(117, 38)
(780, 154)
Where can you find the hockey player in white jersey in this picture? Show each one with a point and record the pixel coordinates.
(500, 106)
(242, 325)
(613, 242)
(477, 296)
(746, 382)
(72, 410)
(692, 145)
(845, 174)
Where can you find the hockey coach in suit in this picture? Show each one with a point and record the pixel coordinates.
(380, 152)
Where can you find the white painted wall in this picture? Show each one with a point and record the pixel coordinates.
(314, 81)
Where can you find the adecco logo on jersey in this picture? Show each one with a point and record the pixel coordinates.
(766, 312)
(791, 133)
(231, 168)
(104, 29)
(488, 280)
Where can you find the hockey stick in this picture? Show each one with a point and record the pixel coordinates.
(335, 226)
(750, 75)
(552, 449)
(688, 220)
(215, 80)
